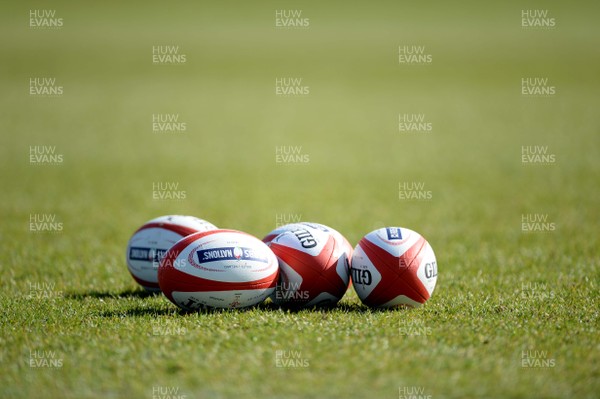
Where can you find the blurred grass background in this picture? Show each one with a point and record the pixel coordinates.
(348, 125)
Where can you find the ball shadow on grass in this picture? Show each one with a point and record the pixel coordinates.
(129, 293)
(342, 307)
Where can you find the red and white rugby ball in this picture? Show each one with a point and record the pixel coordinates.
(314, 268)
(150, 242)
(346, 247)
(218, 269)
(392, 267)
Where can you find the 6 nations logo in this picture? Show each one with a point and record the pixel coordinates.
(153, 255)
(198, 256)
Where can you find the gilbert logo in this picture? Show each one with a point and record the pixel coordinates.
(306, 239)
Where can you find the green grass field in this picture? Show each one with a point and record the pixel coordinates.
(514, 313)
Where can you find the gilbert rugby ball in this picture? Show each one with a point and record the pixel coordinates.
(393, 267)
(151, 241)
(218, 269)
(341, 240)
(313, 266)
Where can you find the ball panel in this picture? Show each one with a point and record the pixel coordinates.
(306, 273)
(401, 300)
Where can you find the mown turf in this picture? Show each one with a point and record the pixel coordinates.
(502, 293)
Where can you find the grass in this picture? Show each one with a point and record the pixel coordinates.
(467, 341)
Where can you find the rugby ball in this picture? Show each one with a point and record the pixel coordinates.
(346, 247)
(150, 242)
(218, 269)
(313, 266)
(393, 267)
